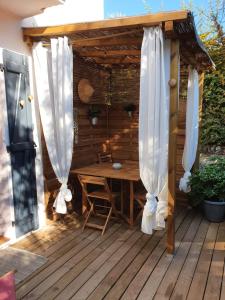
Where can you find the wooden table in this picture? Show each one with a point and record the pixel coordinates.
(129, 172)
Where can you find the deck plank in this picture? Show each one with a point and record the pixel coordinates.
(103, 260)
(168, 282)
(35, 239)
(142, 276)
(169, 261)
(123, 282)
(200, 277)
(75, 269)
(185, 277)
(54, 263)
(62, 261)
(143, 247)
(76, 235)
(126, 264)
(216, 269)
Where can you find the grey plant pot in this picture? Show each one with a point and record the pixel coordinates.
(214, 211)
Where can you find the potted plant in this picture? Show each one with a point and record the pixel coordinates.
(130, 108)
(208, 188)
(93, 114)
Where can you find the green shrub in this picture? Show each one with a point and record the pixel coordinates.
(208, 183)
(213, 119)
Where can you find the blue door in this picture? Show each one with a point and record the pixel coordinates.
(21, 145)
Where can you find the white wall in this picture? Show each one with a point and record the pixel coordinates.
(72, 11)
(11, 33)
(11, 38)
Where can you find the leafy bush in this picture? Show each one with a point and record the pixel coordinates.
(208, 183)
(213, 121)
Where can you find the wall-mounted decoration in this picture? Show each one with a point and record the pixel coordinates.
(130, 108)
(85, 90)
(93, 114)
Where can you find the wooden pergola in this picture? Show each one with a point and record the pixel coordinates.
(117, 43)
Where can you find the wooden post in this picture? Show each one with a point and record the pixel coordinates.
(200, 85)
(173, 128)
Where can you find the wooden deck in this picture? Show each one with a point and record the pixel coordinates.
(126, 264)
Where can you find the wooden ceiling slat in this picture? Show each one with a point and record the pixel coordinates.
(110, 61)
(109, 36)
(116, 41)
(109, 53)
(102, 39)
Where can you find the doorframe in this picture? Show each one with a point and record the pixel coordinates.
(11, 230)
(8, 190)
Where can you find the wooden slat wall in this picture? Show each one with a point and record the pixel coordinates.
(181, 196)
(124, 130)
(91, 140)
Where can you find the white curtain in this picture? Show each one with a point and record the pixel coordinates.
(54, 82)
(154, 126)
(191, 140)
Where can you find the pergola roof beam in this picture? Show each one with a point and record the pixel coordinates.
(145, 20)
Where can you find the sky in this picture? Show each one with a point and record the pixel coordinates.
(119, 8)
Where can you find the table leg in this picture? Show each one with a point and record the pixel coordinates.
(121, 197)
(84, 204)
(131, 221)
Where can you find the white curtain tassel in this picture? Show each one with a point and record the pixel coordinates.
(149, 214)
(151, 205)
(63, 195)
(184, 182)
(66, 192)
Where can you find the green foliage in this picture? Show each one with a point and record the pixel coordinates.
(213, 121)
(210, 22)
(208, 183)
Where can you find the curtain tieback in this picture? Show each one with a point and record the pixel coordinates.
(151, 205)
(63, 195)
(184, 182)
(65, 192)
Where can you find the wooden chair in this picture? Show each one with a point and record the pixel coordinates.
(103, 193)
(105, 157)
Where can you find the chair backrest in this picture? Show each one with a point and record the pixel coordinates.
(105, 157)
(86, 180)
